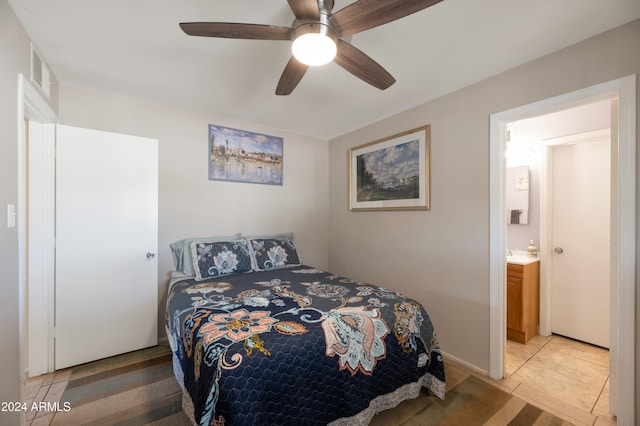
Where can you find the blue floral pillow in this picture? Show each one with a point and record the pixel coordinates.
(273, 253)
(219, 258)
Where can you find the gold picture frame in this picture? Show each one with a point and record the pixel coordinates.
(391, 173)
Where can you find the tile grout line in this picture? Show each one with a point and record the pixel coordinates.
(49, 386)
(604, 385)
(531, 357)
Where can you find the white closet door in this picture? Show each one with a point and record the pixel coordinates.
(106, 239)
(581, 270)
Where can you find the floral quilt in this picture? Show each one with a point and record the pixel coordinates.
(298, 346)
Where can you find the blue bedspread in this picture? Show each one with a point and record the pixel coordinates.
(298, 346)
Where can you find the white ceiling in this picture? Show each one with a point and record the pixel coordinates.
(136, 48)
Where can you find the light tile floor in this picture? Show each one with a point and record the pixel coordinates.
(567, 376)
(47, 388)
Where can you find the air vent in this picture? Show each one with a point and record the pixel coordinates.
(40, 74)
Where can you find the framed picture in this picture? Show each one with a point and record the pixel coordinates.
(242, 156)
(391, 173)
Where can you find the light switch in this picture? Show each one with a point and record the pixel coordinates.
(11, 215)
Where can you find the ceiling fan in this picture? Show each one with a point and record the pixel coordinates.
(316, 24)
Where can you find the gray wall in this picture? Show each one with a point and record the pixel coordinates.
(12, 44)
(15, 54)
(441, 256)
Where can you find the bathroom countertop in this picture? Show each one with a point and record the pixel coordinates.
(520, 257)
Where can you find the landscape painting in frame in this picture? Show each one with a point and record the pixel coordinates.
(391, 173)
(242, 156)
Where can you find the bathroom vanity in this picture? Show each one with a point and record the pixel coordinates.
(523, 298)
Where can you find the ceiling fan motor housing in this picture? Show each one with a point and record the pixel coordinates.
(321, 26)
(314, 27)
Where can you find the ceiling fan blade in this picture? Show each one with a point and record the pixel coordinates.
(291, 76)
(236, 30)
(365, 14)
(305, 9)
(362, 66)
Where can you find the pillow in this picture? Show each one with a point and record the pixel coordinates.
(272, 253)
(181, 251)
(283, 236)
(218, 258)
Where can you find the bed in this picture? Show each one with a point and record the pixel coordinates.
(258, 338)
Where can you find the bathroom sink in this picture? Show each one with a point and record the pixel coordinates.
(521, 260)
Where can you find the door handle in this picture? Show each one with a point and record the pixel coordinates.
(558, 250)
(150, 255)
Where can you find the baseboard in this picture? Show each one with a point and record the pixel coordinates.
(164, 340)
(473, 368)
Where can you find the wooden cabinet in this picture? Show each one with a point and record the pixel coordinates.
(523, 301)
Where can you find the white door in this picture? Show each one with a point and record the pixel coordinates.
(580, 285)
(106, 238)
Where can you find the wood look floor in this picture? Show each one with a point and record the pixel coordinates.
(567, 378)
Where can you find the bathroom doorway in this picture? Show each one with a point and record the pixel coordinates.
(568, 155)
(623, 304)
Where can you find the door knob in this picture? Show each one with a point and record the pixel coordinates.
(150, 255)
(558, 250)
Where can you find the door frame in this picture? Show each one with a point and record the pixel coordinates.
(31, 106)
(623, 266)
(40, 305)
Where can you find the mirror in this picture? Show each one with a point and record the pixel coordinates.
(517, 195)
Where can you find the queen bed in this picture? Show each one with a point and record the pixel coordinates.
(260, 339)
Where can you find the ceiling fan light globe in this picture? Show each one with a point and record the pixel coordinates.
(314, 49)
